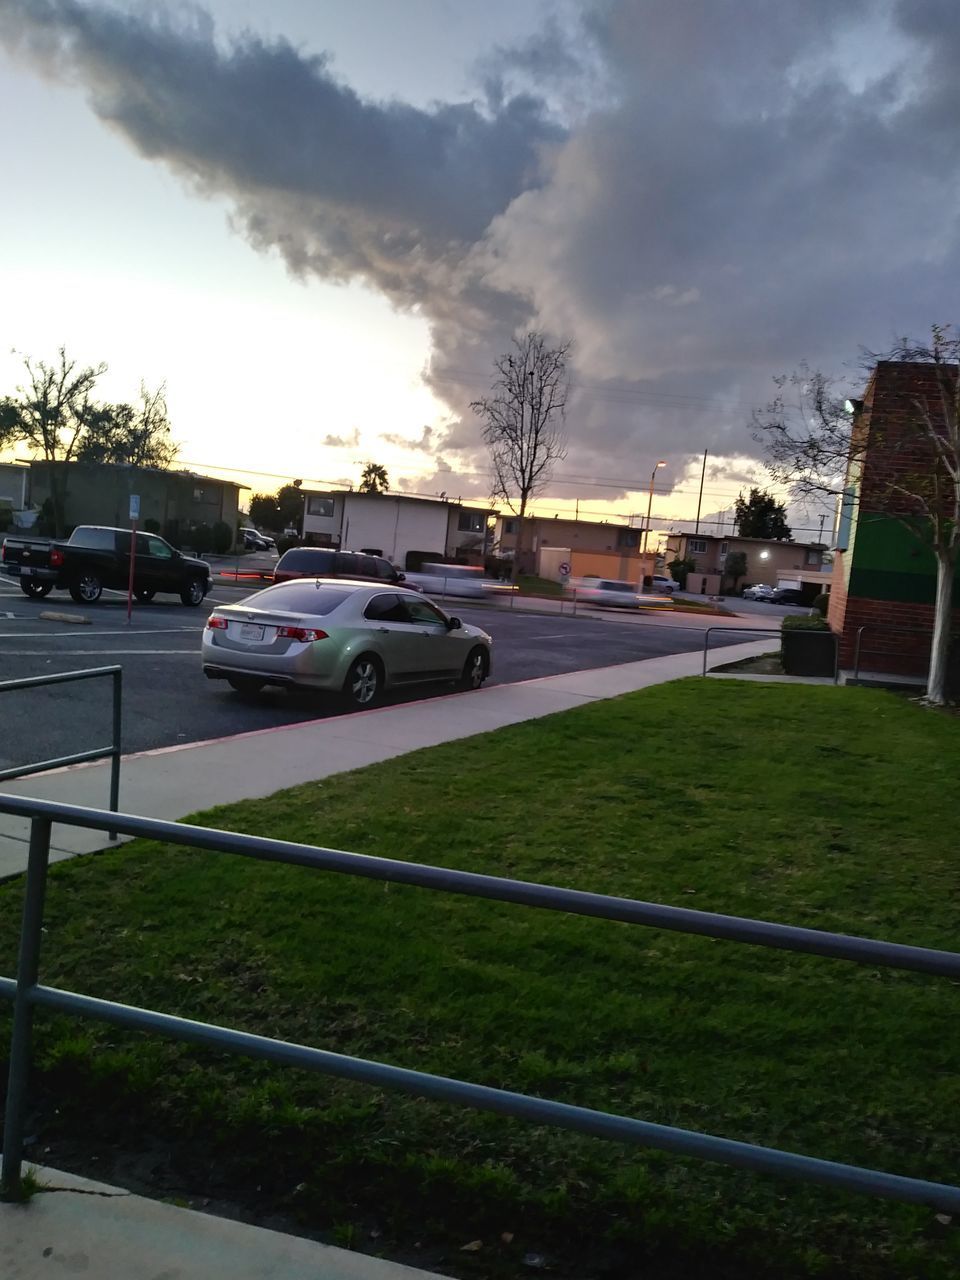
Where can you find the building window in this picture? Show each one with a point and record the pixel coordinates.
(471, 522)
(509, 526)
(697, 544)
(628, 537)
(723, 549)
(813, 557)
(322, 507)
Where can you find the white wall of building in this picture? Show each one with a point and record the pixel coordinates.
(315, 522)
(394, 526)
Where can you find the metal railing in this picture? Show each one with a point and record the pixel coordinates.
(745, 631)
(78, 757)
(859, 649)
(28, 994)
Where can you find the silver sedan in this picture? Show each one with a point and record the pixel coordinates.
(345, 637)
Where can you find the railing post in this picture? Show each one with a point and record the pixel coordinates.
(117, 746)
(28, 967)
(856, 655)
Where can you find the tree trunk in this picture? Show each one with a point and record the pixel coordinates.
(940, 644)
(519, 542)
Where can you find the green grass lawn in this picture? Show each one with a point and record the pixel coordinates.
(834, 808)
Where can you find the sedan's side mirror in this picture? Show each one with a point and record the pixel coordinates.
(401, 577)
(454, 624)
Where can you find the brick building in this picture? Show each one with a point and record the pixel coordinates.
(884, 578)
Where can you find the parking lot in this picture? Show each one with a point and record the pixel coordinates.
(168, 701)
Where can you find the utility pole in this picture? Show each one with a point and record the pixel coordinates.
(703, 472)
(820, 534)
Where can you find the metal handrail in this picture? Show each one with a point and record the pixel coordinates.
(867, 626)
(78, 757)
(27, 994)
(754, 631)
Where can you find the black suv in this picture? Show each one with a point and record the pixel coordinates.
(325, 562)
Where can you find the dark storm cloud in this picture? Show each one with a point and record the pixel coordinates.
(748, 185)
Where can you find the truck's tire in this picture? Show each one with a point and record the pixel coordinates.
(86, 587)
(35, 590)
(193, 592)
(144, 595)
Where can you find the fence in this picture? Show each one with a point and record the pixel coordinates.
(79, 757)
(27, 994)
(742, 631)
(908, 653)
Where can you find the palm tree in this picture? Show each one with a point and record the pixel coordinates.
(374, 479)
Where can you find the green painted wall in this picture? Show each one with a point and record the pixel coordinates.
(888, 563)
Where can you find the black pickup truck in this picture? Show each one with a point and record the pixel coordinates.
(94, 557)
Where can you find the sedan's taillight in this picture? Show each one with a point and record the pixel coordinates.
(216, 624)
(306, 635)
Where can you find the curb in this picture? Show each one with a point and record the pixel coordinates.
(75, 618)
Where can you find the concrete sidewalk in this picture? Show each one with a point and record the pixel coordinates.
(80, 1228)
(176, 781)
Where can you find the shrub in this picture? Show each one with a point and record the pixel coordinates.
(201, 538)
(222, 536)
(151, 526)
(171, 531)
(820, 603)
(6, 514)
(804, 622)
(285, 543)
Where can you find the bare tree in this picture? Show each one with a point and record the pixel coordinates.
(817, 446)
(524, 423)
(137, 436)
(49, 414)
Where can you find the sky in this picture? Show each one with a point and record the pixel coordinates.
(318, 222)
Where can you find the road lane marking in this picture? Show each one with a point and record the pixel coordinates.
(118, 634)
(95, 653)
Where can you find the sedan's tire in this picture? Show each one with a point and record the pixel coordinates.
(364, 683)
(144, 595)
(35, 590)
(247, 685)
(475, 669)
(193, 593)
(86, 588)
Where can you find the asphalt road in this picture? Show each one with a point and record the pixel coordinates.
(167, 700)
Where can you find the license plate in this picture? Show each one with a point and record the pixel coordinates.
(249, 631)
(25, 571)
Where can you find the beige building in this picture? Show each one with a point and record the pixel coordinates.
(616, 545)
(768, 561)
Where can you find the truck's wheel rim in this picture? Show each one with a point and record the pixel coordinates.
(89, 588)
(195, 591)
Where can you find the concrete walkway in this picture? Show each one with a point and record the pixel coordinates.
(173, 782)
(84, 1228)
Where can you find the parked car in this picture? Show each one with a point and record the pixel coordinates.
(788, 595)
(94, 557)
(326, 562)
(759, 592)
(342, 637)
(467, 582)
(254, 540)
(660, 583)
(614, 593)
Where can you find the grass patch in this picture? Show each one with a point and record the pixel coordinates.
(833, 808)
(530, 585)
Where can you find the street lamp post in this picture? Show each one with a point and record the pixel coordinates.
(646, 527)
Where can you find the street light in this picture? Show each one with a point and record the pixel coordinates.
(646, 527)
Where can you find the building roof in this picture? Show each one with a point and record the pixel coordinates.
(392, 496)
(736, 537)
(129, 466)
